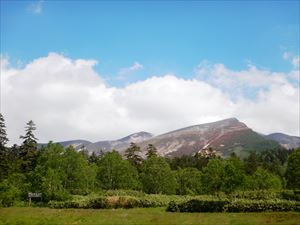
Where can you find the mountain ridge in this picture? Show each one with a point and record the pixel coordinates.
(225, 136)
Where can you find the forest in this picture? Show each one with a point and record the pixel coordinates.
(66, 178)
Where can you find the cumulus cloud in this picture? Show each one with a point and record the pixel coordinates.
(68, 99)
(36, 7)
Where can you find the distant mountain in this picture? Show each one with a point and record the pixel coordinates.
(225, 136)
(120, 144)
(77, 144)
(286, 141)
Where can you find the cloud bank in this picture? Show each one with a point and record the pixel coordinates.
(68, 99)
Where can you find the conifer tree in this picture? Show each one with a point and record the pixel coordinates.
(151, 151)
(3, 149)
(28, 149)
(132, 155)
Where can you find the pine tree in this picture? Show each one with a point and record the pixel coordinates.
(151, 151)
(132, 155)
(28, 149)
(3, 150)
(3, 135)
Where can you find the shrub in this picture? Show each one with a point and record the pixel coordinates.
(197, 205)
(243, 205)
(9, 194)
(238, 205)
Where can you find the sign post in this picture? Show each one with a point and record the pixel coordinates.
(34, 195)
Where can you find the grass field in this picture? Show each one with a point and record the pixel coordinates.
(138, 216)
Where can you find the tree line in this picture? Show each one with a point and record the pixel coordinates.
(59, 172)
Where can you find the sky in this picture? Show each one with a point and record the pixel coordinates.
(100, 70)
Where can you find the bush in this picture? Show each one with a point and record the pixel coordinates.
(173, 207)
(262, 206)
(255, 195)
(9, 194)
(239, 205)
(124, 193)
(197, 205)
(290, 195)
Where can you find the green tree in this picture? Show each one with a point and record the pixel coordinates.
(212, 177)
(52, 187)
(251, 163)
(28, 149)
(151, 151)
(293, 170)
(157, 176)
(264, 180)
(234, 176)
(116, 173)
(132, 155)
(79, 176)
(3, 135)
(189, 181)
(4, 154)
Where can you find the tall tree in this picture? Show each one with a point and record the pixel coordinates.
(151, 151)
(28, 149)
(3, 135)
(189, 181)
(157, 176)
(3, 150)
(116, 173)
(293, 170)
(132, 155)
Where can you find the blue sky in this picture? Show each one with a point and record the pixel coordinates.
(164, 36)
(101, 70)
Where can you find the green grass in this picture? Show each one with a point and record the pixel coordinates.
(138, 216)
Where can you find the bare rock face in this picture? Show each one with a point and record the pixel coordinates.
(189, 140)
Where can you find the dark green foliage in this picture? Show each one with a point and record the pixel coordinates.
(157, 176)
(116, 173)
(197, 205)
(245, 205)
(251, 163)
(132, 155)
(197, 161)
(3, 135)
(213, 175)
(263, 180)
(189, 181)
(9, 194)
(28, 149)
(293, 170)
(4, 153)
(238, 205)
(151, 151)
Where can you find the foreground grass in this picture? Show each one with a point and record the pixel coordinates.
(137, 216)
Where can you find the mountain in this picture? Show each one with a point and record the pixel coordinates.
(77, 144)
(120, 144)
(286, 141)
(225, 136)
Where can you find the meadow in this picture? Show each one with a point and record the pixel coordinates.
(138, 216)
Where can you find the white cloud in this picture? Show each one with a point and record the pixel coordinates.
(294, 60)
(36, 7)
(125, 71)
(68, 100)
